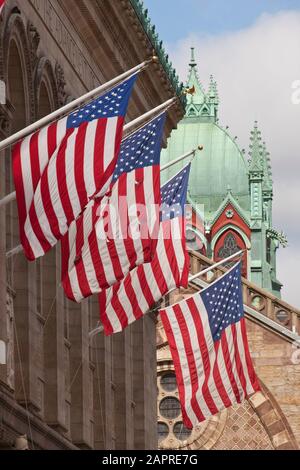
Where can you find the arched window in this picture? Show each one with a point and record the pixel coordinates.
(228, 243)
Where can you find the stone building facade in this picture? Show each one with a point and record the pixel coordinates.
(57, 387)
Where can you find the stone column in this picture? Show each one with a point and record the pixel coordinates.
(144, 383)
(81, 376)
(123, 381)
(102, 354)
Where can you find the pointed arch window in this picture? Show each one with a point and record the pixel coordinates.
(229, 247)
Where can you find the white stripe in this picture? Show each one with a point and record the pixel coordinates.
(249, 387)
(110, 311)
(43, 149)
(75, 286)
(26, 170)
(89, 146)
(35, 245)
(224, 375)
(133, 213)
(109, 142)
(61, 130)
(231, 349)
(71, 187)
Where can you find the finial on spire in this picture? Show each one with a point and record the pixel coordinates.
(193, 61)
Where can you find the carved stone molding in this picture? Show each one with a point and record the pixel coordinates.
(34, 40)
(61, 83)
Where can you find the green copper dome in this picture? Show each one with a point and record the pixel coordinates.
(221, 164)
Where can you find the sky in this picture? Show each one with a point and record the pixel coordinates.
(252, 48)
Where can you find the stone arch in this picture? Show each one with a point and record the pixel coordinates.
(17, 73)
(15, 36)
(273, 419)
(45, 88)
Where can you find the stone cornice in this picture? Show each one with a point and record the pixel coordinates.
(150, 30)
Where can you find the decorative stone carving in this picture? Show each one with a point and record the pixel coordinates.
(34, 40)
(61, 83)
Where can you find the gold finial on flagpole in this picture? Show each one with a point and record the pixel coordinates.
(154, 57)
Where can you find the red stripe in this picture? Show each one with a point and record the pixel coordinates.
(120, 311)
(177, 366)
(252, 375)
(196, 315)
(102, 299)
(79, 266)
(52, 139)
(130, 292)
(190, 359)
(238, 363)
(227, 360)
(65, 254)
(20, 195)
(157, 200)
(218, 379)
(99, 153)
(34, 160)
(95, 253)
(79, 164)
(142, 216)
(62, 176)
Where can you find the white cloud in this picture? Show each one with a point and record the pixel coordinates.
(255, 69)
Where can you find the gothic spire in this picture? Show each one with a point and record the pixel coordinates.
(193, 81)
(213, 90)
(256, 153)
(267, 181)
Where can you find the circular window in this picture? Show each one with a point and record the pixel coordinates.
(283, 317)
(168, 382)
(162, 431)
(181, 432)
(170, 408)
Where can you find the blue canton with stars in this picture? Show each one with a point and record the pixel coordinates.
(223, 301)
(142, 148)
(174, 194)
(112, 104)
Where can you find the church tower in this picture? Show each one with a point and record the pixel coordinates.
(230, 197)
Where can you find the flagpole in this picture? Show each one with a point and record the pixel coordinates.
(219, 263)
(100, 329)
(72, 105)
(182, 157)
(127, 128)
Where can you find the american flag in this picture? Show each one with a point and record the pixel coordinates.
(2, 4)
(131, 298)
(209, 346)
(59, 168)
(94, 259)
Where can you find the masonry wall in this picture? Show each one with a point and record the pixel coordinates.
(58, 388)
